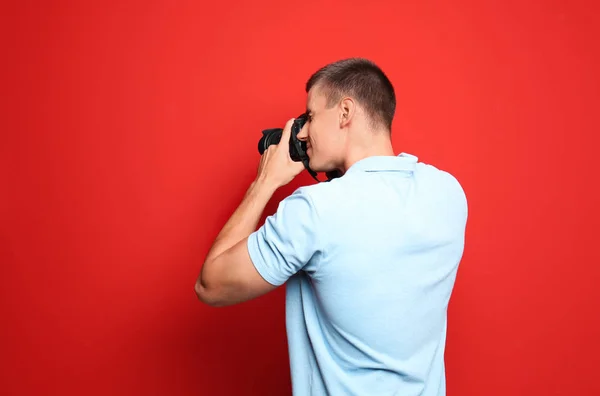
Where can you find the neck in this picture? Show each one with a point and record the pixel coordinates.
(373, 144)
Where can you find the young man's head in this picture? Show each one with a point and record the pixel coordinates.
(350, 106)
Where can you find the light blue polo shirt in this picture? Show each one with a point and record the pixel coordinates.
(370, 261)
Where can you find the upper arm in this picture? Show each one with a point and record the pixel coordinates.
(231, 278)
(289, 241)
(286, 243)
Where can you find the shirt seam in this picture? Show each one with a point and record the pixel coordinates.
(321, 243)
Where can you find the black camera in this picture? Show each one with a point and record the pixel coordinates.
(297, 147)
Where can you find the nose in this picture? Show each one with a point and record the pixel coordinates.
(303, 134)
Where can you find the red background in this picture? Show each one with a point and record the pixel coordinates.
(129, 134)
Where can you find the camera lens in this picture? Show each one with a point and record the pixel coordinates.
(270, 136)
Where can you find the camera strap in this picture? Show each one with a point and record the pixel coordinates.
(312, 172)
(330, 175)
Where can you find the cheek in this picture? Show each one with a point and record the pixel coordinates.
(312, 132)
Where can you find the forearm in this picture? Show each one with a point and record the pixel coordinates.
(244, 220)
(228, 274)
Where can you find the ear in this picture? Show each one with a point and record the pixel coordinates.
(347, 111)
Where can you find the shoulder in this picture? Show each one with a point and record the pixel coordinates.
(300, 212)
(442, 183)
(320, 197)
(445, 177)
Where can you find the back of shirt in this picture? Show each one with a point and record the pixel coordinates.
(370, 261)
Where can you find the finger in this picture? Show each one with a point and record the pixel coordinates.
(267, 152)
(287, 130)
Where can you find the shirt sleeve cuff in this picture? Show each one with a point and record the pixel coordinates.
(258, 260)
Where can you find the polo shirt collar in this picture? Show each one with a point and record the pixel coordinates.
(383, 163)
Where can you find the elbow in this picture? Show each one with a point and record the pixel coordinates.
(208, 295)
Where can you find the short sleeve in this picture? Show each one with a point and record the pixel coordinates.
(288, 241)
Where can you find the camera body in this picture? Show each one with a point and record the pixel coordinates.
(297, 147)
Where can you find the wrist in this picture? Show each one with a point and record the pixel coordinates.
(264, 185)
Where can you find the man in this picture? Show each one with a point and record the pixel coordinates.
(369, 258)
